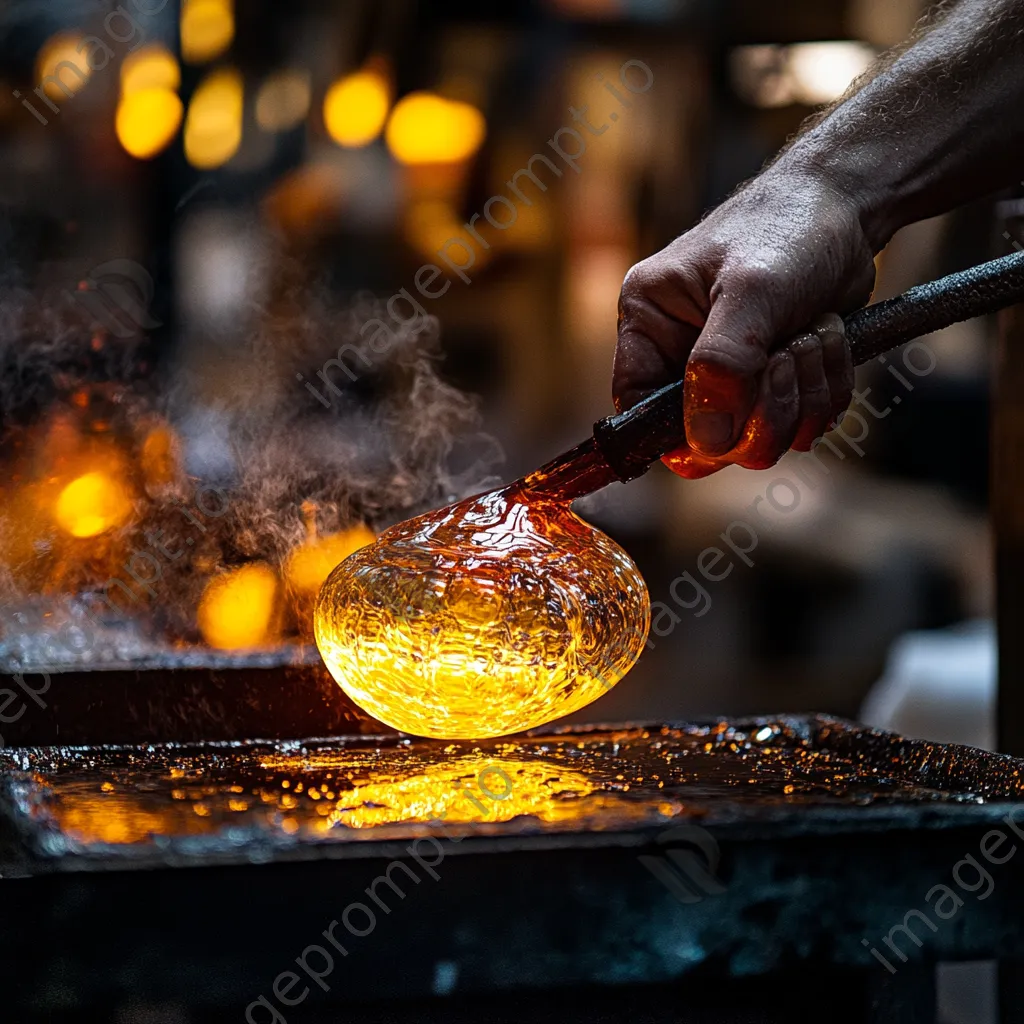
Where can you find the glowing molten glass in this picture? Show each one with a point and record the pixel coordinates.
(483, 618)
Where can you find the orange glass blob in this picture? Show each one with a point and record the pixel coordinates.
(483, 618)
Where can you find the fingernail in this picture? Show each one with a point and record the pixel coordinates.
(804, 344)
(830, 322)
(782, 378)
(711, 432)
(832, 345)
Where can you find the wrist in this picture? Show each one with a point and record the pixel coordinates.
(855, 178)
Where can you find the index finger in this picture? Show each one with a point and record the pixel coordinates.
(659, 323)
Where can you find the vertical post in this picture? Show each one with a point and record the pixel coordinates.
(1008, 526)
(1008, 531)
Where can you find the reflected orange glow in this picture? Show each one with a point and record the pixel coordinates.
(306, 200)
(356, 107)
(92, 504)
(484, 618)
(283, 101)
(238, 609)
(108, 820)
(147, 120)
(311, 563)
(207, 29)
(150, 67)
(213, 125)
(425, 128)
(467, 789)
(62, 69)
(324, 795)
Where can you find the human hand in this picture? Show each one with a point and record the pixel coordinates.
(738, 308)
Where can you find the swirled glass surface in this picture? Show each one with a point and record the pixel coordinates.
(490, 616)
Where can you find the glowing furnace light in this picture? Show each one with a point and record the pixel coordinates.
(239, 609)
(283, 101)
(483, 618)
(207, 29)
(425, 128)
(147, 120)
(311, 563)
(151, 67)
(62, 69)
(213, 125)
(356, 107)
(92, 504)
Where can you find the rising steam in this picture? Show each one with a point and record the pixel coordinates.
(225, 457)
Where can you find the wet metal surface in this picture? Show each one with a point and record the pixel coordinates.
(111, 807)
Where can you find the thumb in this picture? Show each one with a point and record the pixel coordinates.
(722, 374)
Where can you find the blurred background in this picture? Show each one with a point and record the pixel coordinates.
(202, 201)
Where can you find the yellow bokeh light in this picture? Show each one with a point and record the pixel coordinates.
(207, 29)
(425, 128)
(356, 107)
(61, 68)
(92, 504)
(238, 609)
(283, 101)
(151, 67)
(213, 125)
(147, 120)
(311, 563)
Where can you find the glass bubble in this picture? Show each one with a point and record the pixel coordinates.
(490, 616)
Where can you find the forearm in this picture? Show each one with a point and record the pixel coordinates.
(941, 124)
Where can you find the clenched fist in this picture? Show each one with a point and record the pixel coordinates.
(744, 308)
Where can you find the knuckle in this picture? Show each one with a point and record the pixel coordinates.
(815, 401)
(804, 346)
(643, 276)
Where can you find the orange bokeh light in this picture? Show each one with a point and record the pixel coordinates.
(425, 128)
(239, 608)
(356, 107)
(312, 562)
(92, 504)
